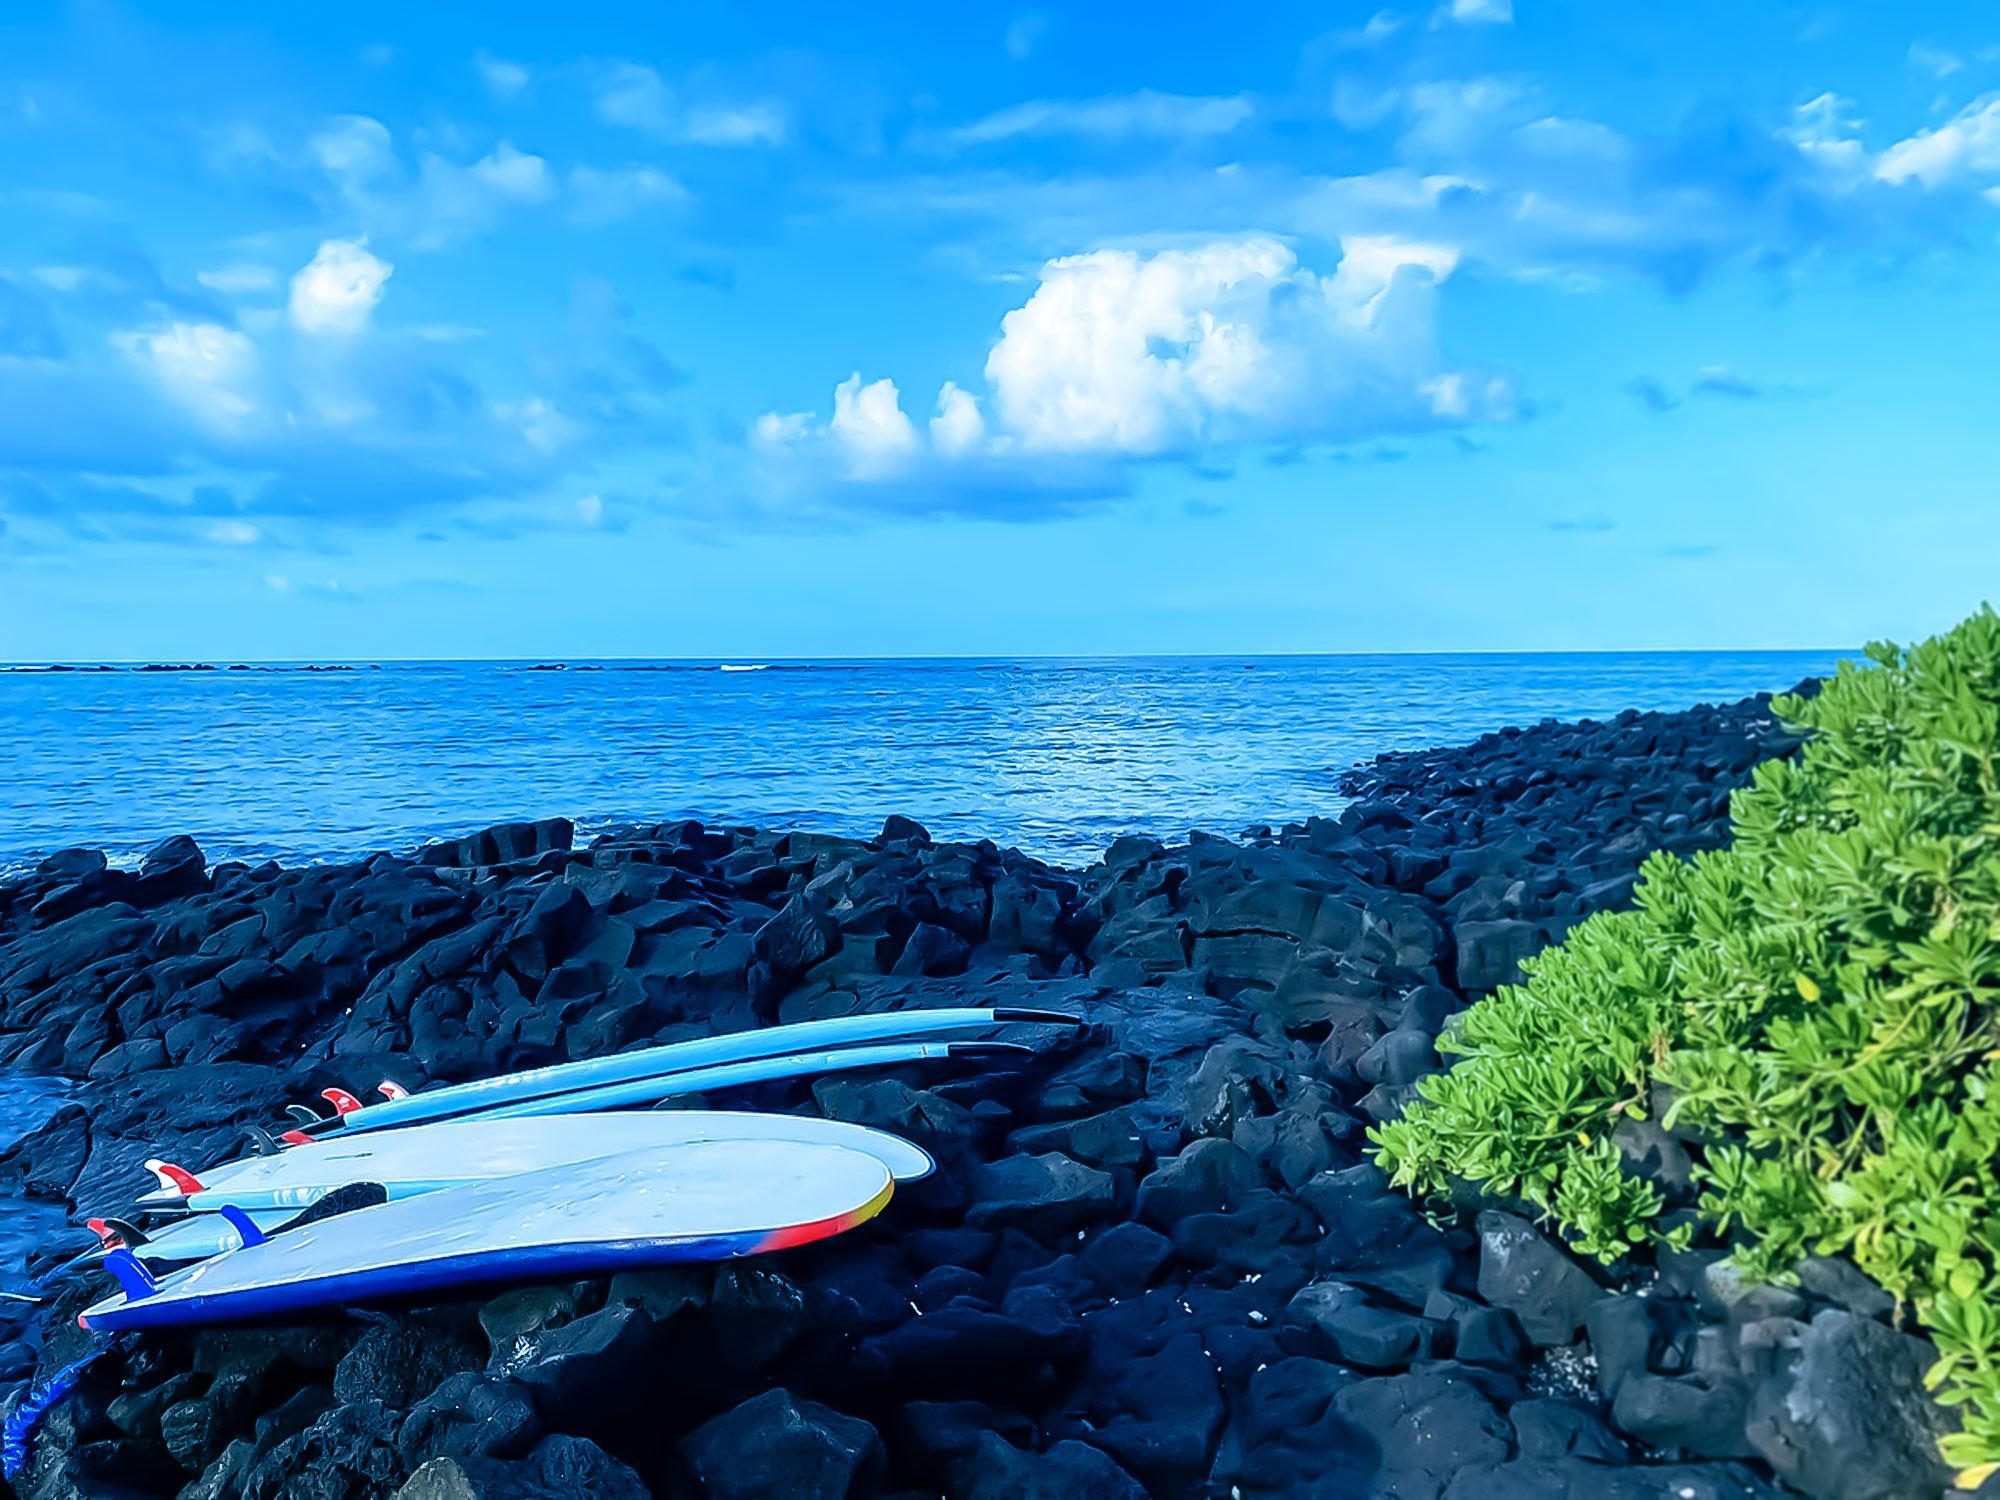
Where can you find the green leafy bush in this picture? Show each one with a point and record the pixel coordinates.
(1816, 1003)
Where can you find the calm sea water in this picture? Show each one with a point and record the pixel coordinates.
(1056, 757)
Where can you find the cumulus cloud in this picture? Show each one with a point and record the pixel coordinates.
(1120, 357)
(1225, 342)
(338, 289)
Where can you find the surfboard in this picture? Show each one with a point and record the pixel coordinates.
(735, 1075)
(417, 1159)
(706, 1200)
(623, 1067)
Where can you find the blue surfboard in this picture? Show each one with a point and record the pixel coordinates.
(736, 1075)
(651, 1062)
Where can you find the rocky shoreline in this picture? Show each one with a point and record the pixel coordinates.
(1155, 1259)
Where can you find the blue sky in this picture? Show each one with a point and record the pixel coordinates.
(685, 330)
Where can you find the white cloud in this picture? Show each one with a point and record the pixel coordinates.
(958, 428)
(1967, 145)
(870, 427)
(354, 151)
(1145, 113)
(61, 278)
(513, 173)
(1482, 12)
(590, 510)
(207, 368)
(1934, 60)
(236, 279)
(1229, 341)
(1378, 29)
(1827, 136)
(600, 196)
(234, 533)
(638, 98)
(1119, 357)
(503, 79)
(1024, 34)
(734, 125)
(338, 288)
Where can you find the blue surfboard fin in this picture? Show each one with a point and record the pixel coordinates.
(137, 1281)
(245, 1227)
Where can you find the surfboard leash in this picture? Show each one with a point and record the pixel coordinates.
(25, 1412)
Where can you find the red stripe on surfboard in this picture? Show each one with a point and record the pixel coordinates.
(820, 1229)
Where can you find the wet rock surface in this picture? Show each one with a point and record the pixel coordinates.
(1154, 1260)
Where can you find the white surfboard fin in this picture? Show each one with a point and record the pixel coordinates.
(388, 1088)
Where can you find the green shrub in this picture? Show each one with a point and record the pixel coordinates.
(1815, 1002)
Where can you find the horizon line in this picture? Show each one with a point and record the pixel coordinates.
(556, 662)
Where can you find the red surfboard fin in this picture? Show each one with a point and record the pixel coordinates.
(343, 1102)
(174, 1179)
(388, 1088)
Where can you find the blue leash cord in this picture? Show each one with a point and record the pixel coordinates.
(18, 1433)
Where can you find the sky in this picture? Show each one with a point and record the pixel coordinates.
(370, 331)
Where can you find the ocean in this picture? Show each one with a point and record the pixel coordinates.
(1055, 757)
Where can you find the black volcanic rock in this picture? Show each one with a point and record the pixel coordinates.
(1154, 1258)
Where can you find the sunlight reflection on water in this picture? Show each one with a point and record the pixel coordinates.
(1056, 757)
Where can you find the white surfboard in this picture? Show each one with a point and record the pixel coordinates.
(419, 1159)
(706, 1200)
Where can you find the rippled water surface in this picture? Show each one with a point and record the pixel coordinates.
(1055, 756)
